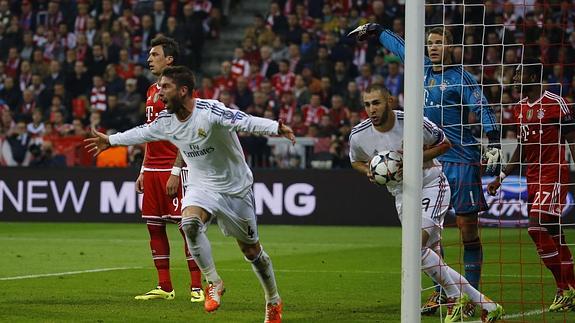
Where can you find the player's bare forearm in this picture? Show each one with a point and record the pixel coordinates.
(435, 151)
(360, 167)
(513, 161)
(179, 162)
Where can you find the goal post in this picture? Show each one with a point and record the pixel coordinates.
(413, 163)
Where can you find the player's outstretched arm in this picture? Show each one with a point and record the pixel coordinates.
(387, 38)
(434, 151)
(98, 143)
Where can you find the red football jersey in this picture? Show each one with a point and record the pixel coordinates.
(539, 131)
(159, 154)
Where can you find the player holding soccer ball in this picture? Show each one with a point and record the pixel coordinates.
(205, 133)
(384, 131)
(544, 124)
(160, 183)
(451, 93)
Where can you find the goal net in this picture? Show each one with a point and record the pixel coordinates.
(493, 42)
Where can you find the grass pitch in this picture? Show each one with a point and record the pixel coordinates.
(86, 272)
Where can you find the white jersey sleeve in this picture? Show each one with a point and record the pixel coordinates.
(432, 134)
(235, 120)
(356, 153)
(153, 131)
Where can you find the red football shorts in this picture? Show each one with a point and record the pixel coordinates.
(549, 197)
(156, 204)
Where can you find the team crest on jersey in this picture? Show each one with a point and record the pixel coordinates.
(529, 114)
(443, 86)
(540, 114)
(202, 133)
(156, 97)
(432, 82)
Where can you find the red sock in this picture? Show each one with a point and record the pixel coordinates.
(566, 259)
(195, 273)
(548, 253)
(160, 246)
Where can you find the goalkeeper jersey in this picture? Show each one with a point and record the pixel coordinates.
(208, 143)
(450, 95)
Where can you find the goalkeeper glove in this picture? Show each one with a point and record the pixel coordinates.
(365, 31)
(493, 156)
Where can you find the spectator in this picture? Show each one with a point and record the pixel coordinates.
(98, 94)
(284, 80)
(15, 150)
(243, 96)
(294, 30)
(323, 65)
(287, 107)
(276, 19)
(225, 81)
(338, 112)
(207, 90)
(78, 83)
(10, 93)
(394, 80)
(262, 34)
(160, 17)
(227, 99)
(301, 91)
(279, 49)
(269, 67)
(240, 66)
(313, 111)
(36, 128)
(130, 102)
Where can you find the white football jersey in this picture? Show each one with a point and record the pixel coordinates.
(365, 142)
(208, 143)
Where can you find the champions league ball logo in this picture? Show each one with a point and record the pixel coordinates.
(509, 207)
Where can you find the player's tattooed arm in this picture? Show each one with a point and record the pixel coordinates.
(173, 183)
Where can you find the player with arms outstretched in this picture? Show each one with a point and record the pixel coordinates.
(160, 183)
(544, 124)
(205, 133)
(384, 131)
(451, 93)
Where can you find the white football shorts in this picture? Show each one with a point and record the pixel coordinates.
(435, 200)
(235, 215)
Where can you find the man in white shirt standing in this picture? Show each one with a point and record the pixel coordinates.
(205, 133)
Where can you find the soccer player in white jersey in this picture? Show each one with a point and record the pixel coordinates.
(205, 133)
(384, 131)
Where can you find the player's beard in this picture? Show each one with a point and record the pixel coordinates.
(175, 104)
(382, 119)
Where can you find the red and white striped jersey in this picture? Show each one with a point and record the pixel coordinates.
(313, 114)
(240, 67)
(283, 82)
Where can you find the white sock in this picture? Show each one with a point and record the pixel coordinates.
(476, 296)
(437, 270)
(200, 248)
(263, 269)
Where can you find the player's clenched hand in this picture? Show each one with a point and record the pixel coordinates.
(494, 186)
(365, 31)
(98, 143)
(140, 183)
(172, 186)
(286, 131)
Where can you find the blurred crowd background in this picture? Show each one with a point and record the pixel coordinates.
(67, 66)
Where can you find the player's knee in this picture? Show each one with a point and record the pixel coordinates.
(192, 227)
(251, 251)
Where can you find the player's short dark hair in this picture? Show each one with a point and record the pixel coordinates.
(169, 45)
(377, 87)
(182, 76)
(447, 35)
(532, 67)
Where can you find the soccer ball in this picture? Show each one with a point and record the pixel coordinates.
(384, 167)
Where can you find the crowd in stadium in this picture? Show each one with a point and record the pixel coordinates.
(67, 66)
